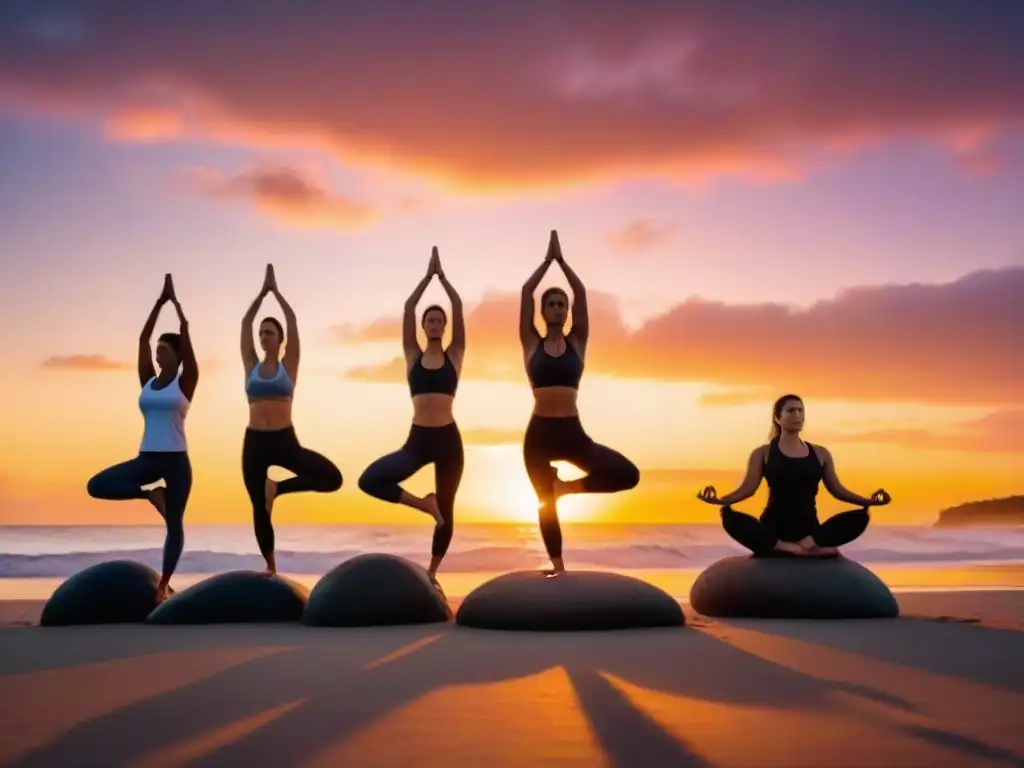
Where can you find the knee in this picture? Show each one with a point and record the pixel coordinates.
(369, 482)
(95, 487)
(332, 479)
(629, 476)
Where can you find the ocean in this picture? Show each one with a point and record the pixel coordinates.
(55, 552)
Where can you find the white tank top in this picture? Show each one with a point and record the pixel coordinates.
(163, 412)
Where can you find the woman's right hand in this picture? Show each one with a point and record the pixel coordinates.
(710, 496)
(167, 294)
(269, 281)
(880, 498)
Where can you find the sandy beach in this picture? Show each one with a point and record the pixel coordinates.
(942, 685)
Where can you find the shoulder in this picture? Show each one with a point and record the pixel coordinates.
(821, 452)
(761, 453)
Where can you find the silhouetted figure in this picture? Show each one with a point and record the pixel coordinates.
(270, 439)
(793, 469)
(163, 454)
(554, 365)
(433, 375)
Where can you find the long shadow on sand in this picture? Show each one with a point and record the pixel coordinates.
(335, 689)
(968, 651)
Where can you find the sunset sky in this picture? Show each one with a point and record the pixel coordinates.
(818, 198)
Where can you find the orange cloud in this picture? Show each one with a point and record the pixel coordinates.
(84, 363)
(285, 193)
(999, 432)
(955, 342)
(640, 235)
(144, 124)
(531, 94)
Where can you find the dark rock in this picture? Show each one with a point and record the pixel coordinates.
(576, 600)
(375, 590)
(115, 592)
(791, 588)
(236, 597)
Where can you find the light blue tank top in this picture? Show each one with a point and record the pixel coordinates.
(278, 387)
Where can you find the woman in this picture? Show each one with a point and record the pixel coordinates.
(433, 375)
(270, 439)
(793, 468)
(163, 454)
(554, 366)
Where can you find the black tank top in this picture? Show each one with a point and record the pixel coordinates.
(544, 370)
(793, 486)
(440, 381)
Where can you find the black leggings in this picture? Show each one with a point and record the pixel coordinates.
(563, 439)
(262, 450)
(441, 446)
(760, 536)
(125, 480)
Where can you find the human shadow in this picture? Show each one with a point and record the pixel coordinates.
(968, 651)
(336, 690)
(59, 647)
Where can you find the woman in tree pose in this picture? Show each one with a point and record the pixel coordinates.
(270, 437)
(554, 366)
(433, 376)
(793, 468)
(163, 455)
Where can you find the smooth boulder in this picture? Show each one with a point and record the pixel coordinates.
(791, 588)
(572, 601)
(375, 590)
(115, 592)
(236, 597)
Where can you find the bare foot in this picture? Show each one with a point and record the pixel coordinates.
(431, 508)
(157, 498)
(557, 488)
(271, 569)
(791, 548)
(825, 551)
(270, 493)
(163, 591)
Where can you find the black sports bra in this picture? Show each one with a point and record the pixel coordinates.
(544, 370)
(440, 381)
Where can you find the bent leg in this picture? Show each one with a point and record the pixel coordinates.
(124, 481)
(842, 528)
(608, 471)
(447, 478)
(383, 478)
(749, 531)
(313, 472)
(178, 476)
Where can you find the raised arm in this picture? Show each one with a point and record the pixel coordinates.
(189, 377)
(832, 484)
(410, 344)
(249, 356)
(292, 349)
(145, 357)
(580, 315)
(457, 349)
(527, 309)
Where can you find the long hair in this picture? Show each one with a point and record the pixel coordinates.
(777, 413)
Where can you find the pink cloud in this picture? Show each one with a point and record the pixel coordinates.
(84, 363)
(287, 194)
(999, 432)
(955, 342)
(535, 93)
(640, 235)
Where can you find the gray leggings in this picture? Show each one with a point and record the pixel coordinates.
(125, 480)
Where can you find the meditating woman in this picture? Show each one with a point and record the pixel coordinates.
(793, 468)
(554, 366)
(270, 439)
(434, 438)
(163, 454)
